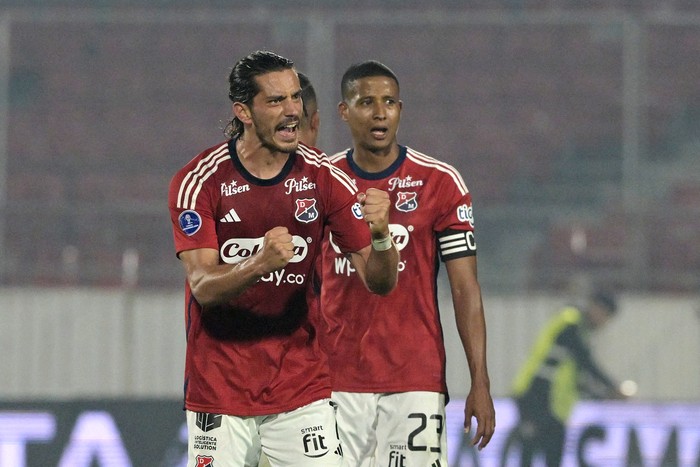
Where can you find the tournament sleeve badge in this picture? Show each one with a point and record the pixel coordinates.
(306, 210)
(190, 222)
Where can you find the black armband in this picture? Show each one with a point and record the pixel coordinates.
(456, 244)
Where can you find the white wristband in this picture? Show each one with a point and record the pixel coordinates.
(382, 244)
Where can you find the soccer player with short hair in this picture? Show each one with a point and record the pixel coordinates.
(248, 217)
(387, 354)
(310, 120)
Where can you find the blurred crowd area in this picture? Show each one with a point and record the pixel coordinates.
(576, 129)
(507, 5)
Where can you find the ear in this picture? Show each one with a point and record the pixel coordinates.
(315, 121)
(343, 110)
(242, 112)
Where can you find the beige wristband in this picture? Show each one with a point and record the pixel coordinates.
(382, 244)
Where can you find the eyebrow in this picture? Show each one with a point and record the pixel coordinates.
(273, 97)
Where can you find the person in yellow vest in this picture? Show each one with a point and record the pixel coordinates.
(560, 365)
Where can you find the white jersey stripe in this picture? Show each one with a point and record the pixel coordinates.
(193, 178)
(427, 161)
(200, 182)
(424, 160)
(197, 183)
(321, 160)
(193, 173)
(336, 157)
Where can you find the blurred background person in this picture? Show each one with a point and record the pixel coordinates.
(310, 120)
(559, 368)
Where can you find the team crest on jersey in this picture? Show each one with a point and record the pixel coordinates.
(406, 201)
(306, 210)
(190, 222)
(205, 461)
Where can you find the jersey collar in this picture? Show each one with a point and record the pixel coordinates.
(252, 178)
(376, 175)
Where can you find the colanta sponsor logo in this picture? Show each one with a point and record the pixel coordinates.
(236, 250)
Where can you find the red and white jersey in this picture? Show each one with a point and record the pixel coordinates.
(395, 343)
(259, 353)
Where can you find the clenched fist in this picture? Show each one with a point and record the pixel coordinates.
(375, 206)
(277, 250)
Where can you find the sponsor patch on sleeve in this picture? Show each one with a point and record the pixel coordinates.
(190, 222)
(465, 214)
(357, 211)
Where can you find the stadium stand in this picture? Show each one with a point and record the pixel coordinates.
(531, 113)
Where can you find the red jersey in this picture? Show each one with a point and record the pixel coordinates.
(259, 353)
(395, 343)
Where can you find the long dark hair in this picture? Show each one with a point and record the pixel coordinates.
(242, 84)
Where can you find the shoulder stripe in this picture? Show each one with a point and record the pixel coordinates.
(193, 181)
(322, 160)
(427, 161)
(338, 156)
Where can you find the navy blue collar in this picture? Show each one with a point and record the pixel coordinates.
(252, 178)
(376, 175)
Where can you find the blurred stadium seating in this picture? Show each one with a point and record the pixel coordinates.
(530, 107)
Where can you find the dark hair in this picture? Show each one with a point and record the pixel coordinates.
(242, 85)
(364, 70)
(308, 93)
(606, 300)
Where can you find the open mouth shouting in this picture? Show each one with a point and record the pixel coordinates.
(288, 129)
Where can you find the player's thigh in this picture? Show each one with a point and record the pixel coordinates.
(222, 440)
(306, 436)
(411, 430)
(357, 419)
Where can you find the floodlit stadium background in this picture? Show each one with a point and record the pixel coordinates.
(577, 130)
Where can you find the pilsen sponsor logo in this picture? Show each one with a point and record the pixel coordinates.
(295, 186)
(406, 182)
(232, 188)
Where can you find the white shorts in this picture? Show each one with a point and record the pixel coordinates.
(392, 429)
(306, 436)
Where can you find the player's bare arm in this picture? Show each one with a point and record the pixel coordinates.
(471, 325)
(213, 283)
(377, 264)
